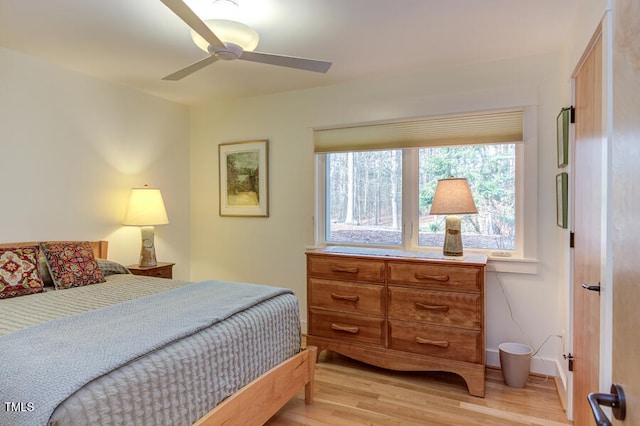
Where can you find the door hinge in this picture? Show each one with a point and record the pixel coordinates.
(572, 239)
(573, 114)
(595, 288)
(570, 359)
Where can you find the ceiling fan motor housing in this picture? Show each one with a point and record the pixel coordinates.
(231, 52)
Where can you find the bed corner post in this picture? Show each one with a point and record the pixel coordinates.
(309, 387)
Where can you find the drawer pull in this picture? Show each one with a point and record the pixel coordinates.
(345, 328)
(440, 343)
(440, 308)
(352, 270)
(346, 297)
(439, 278)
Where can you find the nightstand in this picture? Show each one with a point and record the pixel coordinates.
(162, 270)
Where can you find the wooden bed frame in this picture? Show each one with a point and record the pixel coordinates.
(259, 400)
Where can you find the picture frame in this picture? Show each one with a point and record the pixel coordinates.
(562, 200)
(244, 178)
(563, 120)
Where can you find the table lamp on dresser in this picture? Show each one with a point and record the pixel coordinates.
(452, 197)
(146, 209)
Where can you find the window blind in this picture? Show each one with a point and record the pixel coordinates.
(464, 129)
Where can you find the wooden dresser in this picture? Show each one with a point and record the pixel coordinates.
(400, 312)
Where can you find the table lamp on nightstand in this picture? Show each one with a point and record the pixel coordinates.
(453, 197)
(146, 209)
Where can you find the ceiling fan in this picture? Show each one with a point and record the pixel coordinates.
(236, 41)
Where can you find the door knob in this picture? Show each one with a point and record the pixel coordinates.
(615, 400)
(591, 287)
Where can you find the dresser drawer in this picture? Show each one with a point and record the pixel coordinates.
(161, 270)
(437, 307)
(442, 342)
(435, 276)
(353, 269)
(347, 328)
(346, 296)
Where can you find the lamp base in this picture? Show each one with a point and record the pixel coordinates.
(148, 250)
(452, 237)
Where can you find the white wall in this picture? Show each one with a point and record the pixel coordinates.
(271, 250)
(71, 147)
(583, 25)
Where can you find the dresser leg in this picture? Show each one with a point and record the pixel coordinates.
(475, 383)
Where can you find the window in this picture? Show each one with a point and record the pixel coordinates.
(382, 197)
(490, 171)
(364, 197)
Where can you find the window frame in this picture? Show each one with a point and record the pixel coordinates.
(522, 259)
(410, 216)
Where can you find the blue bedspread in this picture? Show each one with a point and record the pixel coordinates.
(44, 364)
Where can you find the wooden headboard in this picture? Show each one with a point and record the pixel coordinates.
(100, 248)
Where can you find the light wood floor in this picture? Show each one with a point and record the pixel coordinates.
(351, 393)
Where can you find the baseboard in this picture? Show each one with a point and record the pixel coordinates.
(562, 393)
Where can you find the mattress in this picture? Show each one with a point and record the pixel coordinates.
(173, 385)
(25, 311)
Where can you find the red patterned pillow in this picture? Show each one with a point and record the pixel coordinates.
(71, 263)
(19, 272)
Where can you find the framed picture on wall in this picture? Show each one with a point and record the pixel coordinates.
(564, 119)
(562, 200)
(243, 172)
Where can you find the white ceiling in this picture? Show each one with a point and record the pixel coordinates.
(137, 42)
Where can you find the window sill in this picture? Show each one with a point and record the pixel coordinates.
(512, 265)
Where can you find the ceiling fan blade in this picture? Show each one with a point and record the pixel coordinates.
(179, 75)
(192, 20)
(287, 61)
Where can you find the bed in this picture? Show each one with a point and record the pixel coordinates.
(144, 350)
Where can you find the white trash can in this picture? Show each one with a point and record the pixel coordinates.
(515, 360)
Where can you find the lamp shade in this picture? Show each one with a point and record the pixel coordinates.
(146, 208)
(453, 196)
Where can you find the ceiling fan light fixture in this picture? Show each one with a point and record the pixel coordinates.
(229, 32)
(229, 39)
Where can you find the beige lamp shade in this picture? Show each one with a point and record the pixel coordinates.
(453, 196)
(146, 208)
